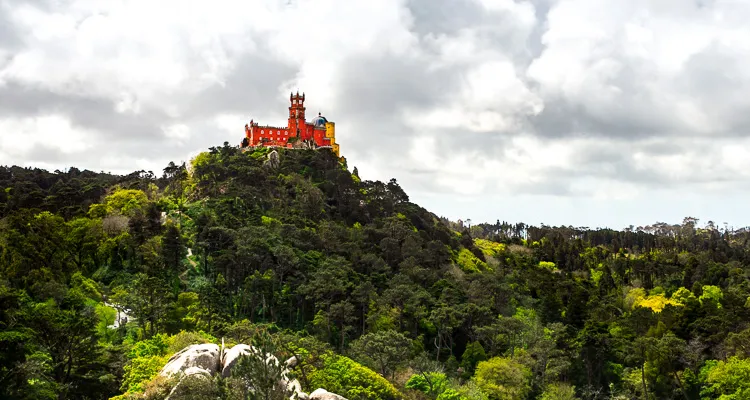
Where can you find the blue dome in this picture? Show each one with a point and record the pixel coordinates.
(319, 121)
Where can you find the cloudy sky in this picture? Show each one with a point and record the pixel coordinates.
(581, 112)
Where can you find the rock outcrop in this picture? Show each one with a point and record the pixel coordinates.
(322, 394)
(272, 160)
(231, 356)
(206, 357)
(207, 360)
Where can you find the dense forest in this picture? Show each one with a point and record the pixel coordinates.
(104, 277)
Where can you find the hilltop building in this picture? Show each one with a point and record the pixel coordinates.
(297, 134)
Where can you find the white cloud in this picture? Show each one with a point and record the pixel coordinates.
(492, 98)
(19, 136)
(604, 100)
(178, 132)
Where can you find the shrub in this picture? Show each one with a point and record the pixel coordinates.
(503, 378)
(430, 383)
(469, 262)
(185, 339)
(140, 370)
(344, 376)
(559, 391)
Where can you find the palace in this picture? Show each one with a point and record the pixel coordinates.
(297, 134)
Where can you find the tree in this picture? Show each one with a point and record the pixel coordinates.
(172, 249)
(559, 391)
(430, 371)
(503, 378)
(71, 350)
(259, 375)
(147, 297)
(383, 351)
(473, 354)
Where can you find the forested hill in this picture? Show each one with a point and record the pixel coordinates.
(104, 277)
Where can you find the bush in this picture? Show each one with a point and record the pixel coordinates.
(503, 378)
(344, 376)
(185, 339)
(156, 346)
(140, 370)
(431, 383)
(559, 391)
(469, 262)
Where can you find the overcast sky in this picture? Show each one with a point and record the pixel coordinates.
(578, 112)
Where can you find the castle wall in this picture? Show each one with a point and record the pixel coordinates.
(269, 134)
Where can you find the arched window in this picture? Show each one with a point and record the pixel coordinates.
(261, 131)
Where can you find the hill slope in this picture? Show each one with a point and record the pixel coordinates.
(296, 245)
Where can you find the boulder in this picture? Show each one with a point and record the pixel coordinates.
(193, 372)
(294, 386)
(322, 394)
(272, 161)
(206, 360)
(291, 362)
(232, 355)
(196, 371)
(206, 357)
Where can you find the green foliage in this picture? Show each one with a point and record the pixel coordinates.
(430, 383)
(473, 354)
(469, 262)
(711, 295)
(254, 376)
(342, 375)
(683, 296)
(548, 265)
(559, 391)
(86, 286)
(655, 301)
(156, 346)
(201, 160)
(107, 316)
(126, 201)
(503, 378)
(328, 260)
(98, 211)
(140, 370)
(185, 339)
(383, 351)
(490, 248)
(146, 358)
(727, 379)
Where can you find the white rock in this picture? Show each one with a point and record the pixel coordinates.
(291, 362)
(196, 371)
(203, 356)
(207, 360)
(294, 386)
(193, 372)
(322, 394)
(232, 355)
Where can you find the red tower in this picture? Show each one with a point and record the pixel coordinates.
(296, 124)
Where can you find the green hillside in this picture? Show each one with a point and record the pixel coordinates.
(380, 298)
